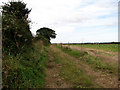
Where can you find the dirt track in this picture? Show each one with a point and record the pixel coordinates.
(53, 79)
(105, 56)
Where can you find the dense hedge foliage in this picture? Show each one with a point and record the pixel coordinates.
(24, 56)
(16, 33)
(26, 70)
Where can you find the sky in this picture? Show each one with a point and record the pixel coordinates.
(76, 21)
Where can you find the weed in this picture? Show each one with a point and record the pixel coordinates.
(25, 70)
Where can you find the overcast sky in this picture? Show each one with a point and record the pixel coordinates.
(76, 20)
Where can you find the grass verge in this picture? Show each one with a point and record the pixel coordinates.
(26, 70)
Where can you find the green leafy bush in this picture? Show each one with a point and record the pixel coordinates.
(26, 70)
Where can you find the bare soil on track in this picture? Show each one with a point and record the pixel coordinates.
(100, 79)
(105, 56)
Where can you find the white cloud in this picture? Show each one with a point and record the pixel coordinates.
(65, 15)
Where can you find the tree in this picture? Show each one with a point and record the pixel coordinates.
(46, 33)
(16, 30)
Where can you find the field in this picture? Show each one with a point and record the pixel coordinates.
(106, 47)
(82, 66)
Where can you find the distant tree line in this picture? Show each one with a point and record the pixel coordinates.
(89, 43)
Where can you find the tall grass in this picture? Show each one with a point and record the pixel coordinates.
(26, 70)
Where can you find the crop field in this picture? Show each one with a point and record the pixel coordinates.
(106, 47)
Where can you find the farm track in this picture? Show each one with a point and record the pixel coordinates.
(53, 80)
(105, 56)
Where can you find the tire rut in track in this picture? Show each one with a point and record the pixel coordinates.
(100, 78)
(54, 81)
(98, 53)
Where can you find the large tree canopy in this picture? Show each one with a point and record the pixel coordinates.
(46, 33)
(16, 30)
